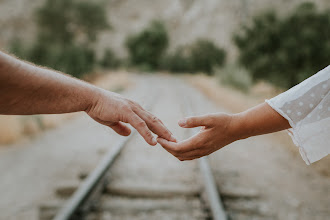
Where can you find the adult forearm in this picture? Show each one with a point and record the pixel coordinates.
(259, 120)
(28, 89)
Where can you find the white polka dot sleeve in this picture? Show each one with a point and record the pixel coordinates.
(307, 108)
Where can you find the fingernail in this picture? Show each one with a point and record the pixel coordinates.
(173, 138)
(154, 141)
(183, 122)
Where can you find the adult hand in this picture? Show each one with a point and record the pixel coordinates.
(114, 110)
(217, 131)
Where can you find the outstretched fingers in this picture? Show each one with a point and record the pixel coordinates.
(196, 121)
(121, 128)
(141, 126)
(184, 149)
(155, 124)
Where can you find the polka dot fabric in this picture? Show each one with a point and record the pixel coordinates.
(307, 108)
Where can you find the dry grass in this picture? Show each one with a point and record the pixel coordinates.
(114, 81)
(236, 101)
(230, 98)
(10, 129)
(13, 128)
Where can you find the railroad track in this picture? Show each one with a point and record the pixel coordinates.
(130, 184)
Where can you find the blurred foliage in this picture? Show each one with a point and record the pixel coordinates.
(72, 59)
(147, 47)
(288, 50)
(109, 59)
(235, 76)
(17, 47)
(205, 55)
(201, 56)
(68, 21)
(177, 62)
(67, 30)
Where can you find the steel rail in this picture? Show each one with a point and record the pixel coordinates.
(217, 208)
(83, 193)
(95, 183)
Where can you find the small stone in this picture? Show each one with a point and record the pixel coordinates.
(66, 189)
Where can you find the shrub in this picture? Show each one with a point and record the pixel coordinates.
(201, 56)
(177, 62)
(235, 76)
(148, 47)
(67, 30)
(64, 21)
(90, 19)
(109, 59)
(288, 50)
(205, 55)
(75, 60)
(17, 47)
(72, 59)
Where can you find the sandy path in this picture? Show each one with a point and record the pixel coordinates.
(286, 187)
(31, 171)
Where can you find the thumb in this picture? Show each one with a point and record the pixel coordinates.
(195, 121)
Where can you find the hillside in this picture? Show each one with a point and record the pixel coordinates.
(185, 19)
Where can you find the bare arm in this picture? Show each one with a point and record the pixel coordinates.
(28, 89)
(259, 120)
(219, 130)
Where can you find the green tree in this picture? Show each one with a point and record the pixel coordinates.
(63, 21)
(90, 19)
(286, 50)
(67, 31)
(17, 47)
(109, 59)
(177, 61)
(201, 56)
(147, 47)
(205, 55)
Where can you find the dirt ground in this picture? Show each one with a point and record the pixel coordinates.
(235, 101)
(281, 184)
(15, 128)
(269, 165)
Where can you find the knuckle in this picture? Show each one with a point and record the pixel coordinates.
(154, 119)
(149, 134)
(130, 102)
(138, 105)
(167, 132)
(135, 106)
(126, 108)
(141, 124)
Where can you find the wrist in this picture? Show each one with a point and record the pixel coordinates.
(239, 126)
(92, 97)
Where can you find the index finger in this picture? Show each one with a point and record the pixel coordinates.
(143, 129)
(155, 124)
